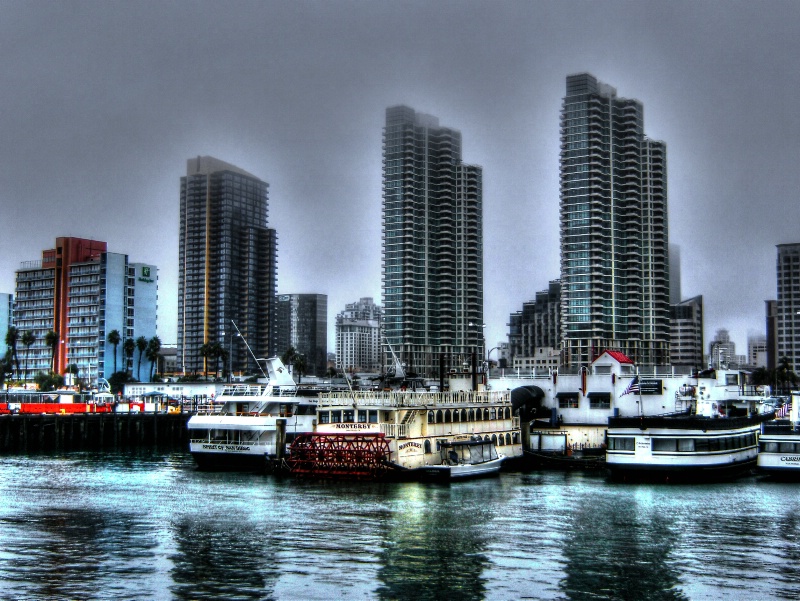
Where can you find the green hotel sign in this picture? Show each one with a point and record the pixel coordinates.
(145, 277)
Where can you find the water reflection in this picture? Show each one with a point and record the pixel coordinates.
(624, 555)
(226, 559)
(71, 554)
(436, 542)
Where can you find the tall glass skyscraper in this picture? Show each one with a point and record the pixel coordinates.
(614, 238)
(432, 244)
(227, 266)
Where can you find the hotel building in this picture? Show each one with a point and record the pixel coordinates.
(82, 292)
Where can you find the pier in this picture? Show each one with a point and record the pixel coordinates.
(25, 433)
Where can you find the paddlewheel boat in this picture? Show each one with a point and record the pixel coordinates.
(408, 435)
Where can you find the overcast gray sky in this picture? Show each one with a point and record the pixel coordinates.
(102, 103)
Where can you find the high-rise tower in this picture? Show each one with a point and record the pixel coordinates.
(227, 266)
(614, 239)
(432, 243)
(788, 305)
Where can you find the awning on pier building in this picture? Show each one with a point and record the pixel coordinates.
(567, 395)
(599, 396)
(528, 399)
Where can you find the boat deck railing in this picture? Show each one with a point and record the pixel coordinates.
(251, 390)
(689, 422)
(414, 399)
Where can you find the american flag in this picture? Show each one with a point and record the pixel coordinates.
(783, 410)
(632, 387)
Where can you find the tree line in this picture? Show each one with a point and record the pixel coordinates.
(10, 362)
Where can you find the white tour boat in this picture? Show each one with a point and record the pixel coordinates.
(399, 434)
(711, 440)
(779, 445)
(253, 423)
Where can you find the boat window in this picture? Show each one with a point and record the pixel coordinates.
(486, 414)
(494, 438)
(349, 416)
(731, 379)
(751, 440)
(786, 447)
(447, 417)
(701, 445)
(713, 444)
(686, 445)
(620, 443)
(463, 415)
(430, 417)
(769, 447)
(471, 415)
(362, 416)
(508, 438)
(439, 417)
(336, 417)
(427, 446)
(665, 444)
(516, 438)
(508, 412)
(456, 415)
(373, 416)
(324, 417)
(492, 413)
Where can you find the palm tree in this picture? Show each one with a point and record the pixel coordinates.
(51, 340)
(128, 347)
(12, 338)
(205, 353)
(27, 338)
(153, 353)
(114, 340)
(141, 346)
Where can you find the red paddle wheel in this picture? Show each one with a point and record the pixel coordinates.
(344, 456)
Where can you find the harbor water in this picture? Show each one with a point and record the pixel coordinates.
(151, 526)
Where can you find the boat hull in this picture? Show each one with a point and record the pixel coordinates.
(682, 473)
(245, 462)
(559, 461)
(448, 473)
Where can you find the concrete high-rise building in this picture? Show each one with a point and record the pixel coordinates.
(6, 319)
(302, 323)
(82, 293)
(537, 326)
(721, 350)
(756, 350)
(432, 244)
(614, 239)
(771, 308)
(686, 334)
(227, 266)
(675, 295)
(788, 306)
(358, 336)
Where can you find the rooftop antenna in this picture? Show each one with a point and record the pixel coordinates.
(249, 350)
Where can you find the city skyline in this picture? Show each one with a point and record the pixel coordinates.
(104, 103)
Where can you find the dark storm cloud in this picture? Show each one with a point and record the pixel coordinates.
(102, 103)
